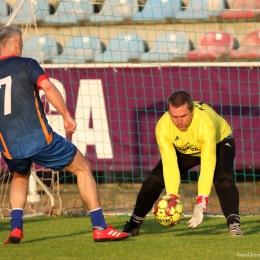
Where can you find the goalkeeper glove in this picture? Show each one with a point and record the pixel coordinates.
(200, 208)
(174, 196)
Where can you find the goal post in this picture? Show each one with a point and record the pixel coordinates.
(116, 105)
(116, 128)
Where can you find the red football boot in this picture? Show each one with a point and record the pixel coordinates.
(15, 237)
(108, 234)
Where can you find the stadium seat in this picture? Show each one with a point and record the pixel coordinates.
(115, 11)
(3, 9)
(40, 48)
(156, 10)
(31, 9)
(212, 46)
(201, 9)
(80, 49)
(71, 12)
(242, 9)
(167, 47)
(123, 48)
(249, 47)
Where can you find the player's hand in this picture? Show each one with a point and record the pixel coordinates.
(70, 125)
(199, 209)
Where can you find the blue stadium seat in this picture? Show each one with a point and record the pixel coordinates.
(201, 9)
(114, 11)
(40, 48)
(26, 15)
(71, 12)
(167, 47)
(79, 49)
(3, 9)
(156, 10)
(122, 48)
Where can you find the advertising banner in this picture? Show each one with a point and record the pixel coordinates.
(116, 109)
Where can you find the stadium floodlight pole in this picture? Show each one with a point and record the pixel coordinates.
(14, 13)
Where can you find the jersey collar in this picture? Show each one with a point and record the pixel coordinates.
(6, 57)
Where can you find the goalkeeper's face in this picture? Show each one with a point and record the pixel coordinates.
(181, 116)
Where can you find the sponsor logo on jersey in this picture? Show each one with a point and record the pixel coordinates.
(188, 147)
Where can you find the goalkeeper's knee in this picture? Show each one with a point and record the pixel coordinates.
(224, 181)
(153, 184)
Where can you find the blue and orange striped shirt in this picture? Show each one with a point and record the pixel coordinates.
(24, 129)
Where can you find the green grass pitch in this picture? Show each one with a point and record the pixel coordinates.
(63, 238)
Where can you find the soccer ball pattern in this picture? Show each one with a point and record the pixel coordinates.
(167, 211)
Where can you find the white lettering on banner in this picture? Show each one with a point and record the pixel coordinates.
(54, 119)
(91, 100)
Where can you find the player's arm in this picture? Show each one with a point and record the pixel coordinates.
(208, 164)
(171, 171)
(54, 96)
(208, 160)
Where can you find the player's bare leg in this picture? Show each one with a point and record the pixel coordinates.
(18, 190)
(85, 180)
(18, 197)
(89, 194)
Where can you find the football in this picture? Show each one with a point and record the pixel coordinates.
(167, 211)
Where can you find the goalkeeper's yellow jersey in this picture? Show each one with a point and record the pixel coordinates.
(206, 130)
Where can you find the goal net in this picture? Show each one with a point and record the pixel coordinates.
(115, 63)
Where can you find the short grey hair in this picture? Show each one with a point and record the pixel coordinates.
(8, 32)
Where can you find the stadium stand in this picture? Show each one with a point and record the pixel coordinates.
(167, 47)
(40, 49)
(242, 9)
(70, 12)
(80, 49)
(32, 11)
(201, 9)
(115, 11)
(249, 47)
(212, 46)
(157, 10)
(123, 48)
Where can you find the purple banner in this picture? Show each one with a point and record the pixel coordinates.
(134, 99)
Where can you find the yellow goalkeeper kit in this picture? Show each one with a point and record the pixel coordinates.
(206, 130)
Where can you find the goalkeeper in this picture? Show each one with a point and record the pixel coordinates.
(189, 134)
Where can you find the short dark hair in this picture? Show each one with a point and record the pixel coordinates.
(8, 32)
(179, 98)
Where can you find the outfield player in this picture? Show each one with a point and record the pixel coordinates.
(190, 134)
(26, 136)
